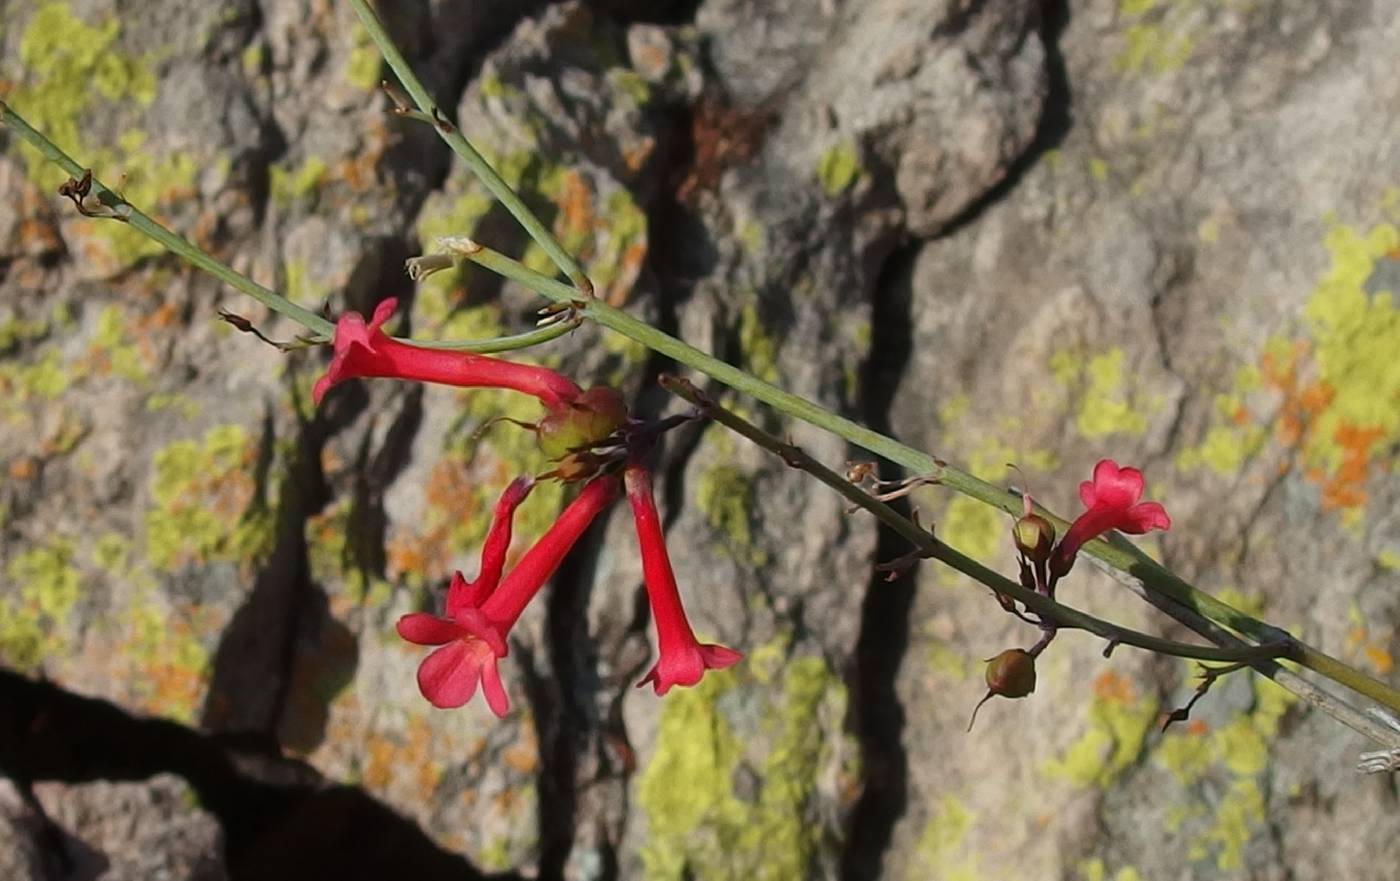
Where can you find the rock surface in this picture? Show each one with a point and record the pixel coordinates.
(1161, 232)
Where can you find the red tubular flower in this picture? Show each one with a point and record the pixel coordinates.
(365, 350)
(481, 613)
(1111, 502)
(684, 659)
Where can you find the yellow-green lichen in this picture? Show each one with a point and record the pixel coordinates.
(1095, 870)
(838, 167)
(939, 852)
(112, 350)
(202, 495)
(759, 348)
(297, 185)
(1159, 39)
(1117, 726)
(68, 64)
(173, 663)
(1107, 403)
(1236, 818)
(34, 616)
(252, 59)
(1238, 751)
(1356, 333)
(725, 495)
(697, 825)
(363, 63)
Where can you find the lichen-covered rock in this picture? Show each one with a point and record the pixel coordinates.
(142, 831)
(1006, 232)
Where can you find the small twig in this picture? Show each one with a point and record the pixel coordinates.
(1208, 676)
(238, 322)
(929, 546)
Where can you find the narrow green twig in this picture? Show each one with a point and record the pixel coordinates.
(930, 546)
(1127, 559)
(1262, 658)
(172, 242)
(321, 329)
(474, 160)
(961, 481)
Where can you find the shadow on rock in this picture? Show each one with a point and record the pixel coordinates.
(280, 818)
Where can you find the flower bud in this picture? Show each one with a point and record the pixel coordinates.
(582, 422)
(1034, 537)
(1009, 674)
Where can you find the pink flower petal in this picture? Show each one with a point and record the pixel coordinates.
(448, 676)
(718, 657)
(421, 628)
(492, 688)
(382, 312)
(1145, 517)
(1115, 486)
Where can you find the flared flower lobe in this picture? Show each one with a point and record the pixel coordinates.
(1111, 501)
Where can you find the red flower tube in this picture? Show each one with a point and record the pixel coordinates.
(684, 659)
(1111, 502)
(481, 613)
(364, 350)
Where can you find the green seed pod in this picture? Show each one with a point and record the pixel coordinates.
(1009, 674)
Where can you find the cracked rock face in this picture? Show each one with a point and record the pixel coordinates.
(1159, 232)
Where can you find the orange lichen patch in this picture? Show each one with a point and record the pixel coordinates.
(360, 172)
(1302, 403)
(1370, 647)
(1197, 728)
(1379, 657)
(22, 468)
(405, 758)
(1112, 688)
(451, 498)
(523, 758)
(629, 267)
(636, 155)
(576, 217)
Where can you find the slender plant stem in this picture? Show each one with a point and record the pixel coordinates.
(793, 405)
(321, 329)
(1127, 559)
(1064, 616)
(172, 242)
(1310, 693)
(1263, 658)
(474, 160)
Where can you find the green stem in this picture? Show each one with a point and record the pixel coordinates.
(459, 144)
(930, 546)
(320, 328)
(173, 243)
(1129, 560)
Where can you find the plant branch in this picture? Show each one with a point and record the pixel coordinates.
(930, 546)
(1126, 559)
(474, 160)
(321, 328)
